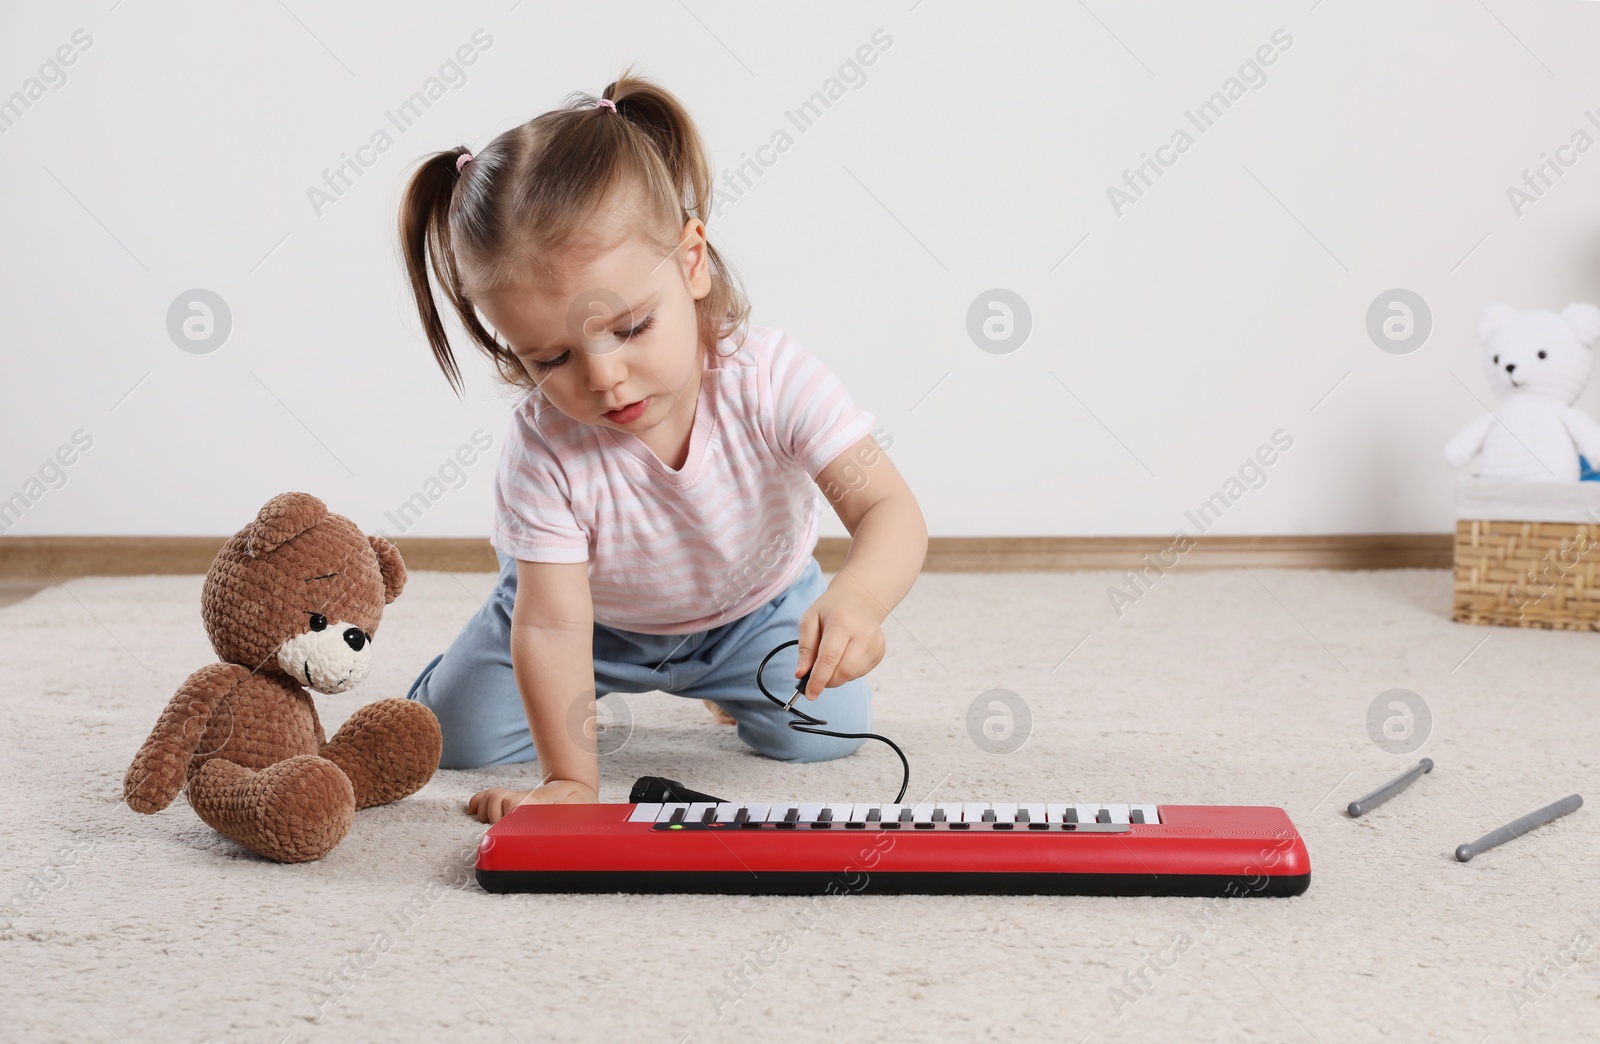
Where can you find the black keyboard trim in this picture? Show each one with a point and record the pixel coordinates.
(877, 882)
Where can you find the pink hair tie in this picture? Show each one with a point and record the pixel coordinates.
(462, 160)
(608, 103)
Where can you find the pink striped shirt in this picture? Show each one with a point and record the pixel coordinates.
(673, 552)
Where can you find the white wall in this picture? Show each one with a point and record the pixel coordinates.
(1221, 306)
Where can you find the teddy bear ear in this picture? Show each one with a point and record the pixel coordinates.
(1491, 316)
(281, 519)
(391, 565)
(1584, 320)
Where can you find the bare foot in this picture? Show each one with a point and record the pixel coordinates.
(722, 717)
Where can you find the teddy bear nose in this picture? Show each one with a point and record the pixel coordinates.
(355, 638)
(1511, 367)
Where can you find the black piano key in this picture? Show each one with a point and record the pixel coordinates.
(905, 815)
(1136, 815)
(1022, 815)
(741, 816)
(709, 816)
(938, 815)
(824, 820)
(1070, 815)
(988, 815)
(790, 818)
(874, 815)
(677, 815)
(1103, 816)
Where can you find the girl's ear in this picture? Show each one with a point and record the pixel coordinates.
(1584, 320)
(698, 268)
(1491, 316)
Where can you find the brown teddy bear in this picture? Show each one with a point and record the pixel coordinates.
(292, 600)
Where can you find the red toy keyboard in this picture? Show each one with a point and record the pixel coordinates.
(806, 848)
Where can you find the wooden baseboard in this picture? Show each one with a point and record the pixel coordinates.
(63, 557)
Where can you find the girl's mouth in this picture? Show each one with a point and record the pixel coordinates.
(630, 412)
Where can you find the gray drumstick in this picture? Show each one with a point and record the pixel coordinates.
(1391, 788)
(1518, 827)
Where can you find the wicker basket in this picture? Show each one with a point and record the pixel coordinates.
(1527, 554)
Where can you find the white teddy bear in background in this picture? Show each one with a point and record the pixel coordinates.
(1537, 364)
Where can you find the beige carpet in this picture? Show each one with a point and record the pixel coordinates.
(1230, 687)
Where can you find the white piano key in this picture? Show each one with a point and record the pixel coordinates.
(645, 812)
(1035, 810)
(697, 811)
(1151, 815)
(779, 809)
(1053, 812)
(665, 815)
(726, 810)
(922, 812)
(891, 813)
(809, 810)
(859, 810)
(1005, 811)
(1087, 813)
(1119, 813)
(951, 810)
(972, 811)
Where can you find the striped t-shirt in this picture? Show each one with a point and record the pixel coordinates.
(674, 552)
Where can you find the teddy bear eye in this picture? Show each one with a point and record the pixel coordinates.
(1497, 360)
(1541, 353)
(319, 622)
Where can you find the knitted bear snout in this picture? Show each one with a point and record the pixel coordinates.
(333, 659)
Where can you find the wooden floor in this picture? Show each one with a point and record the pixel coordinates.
(60, 558)
(16, 590)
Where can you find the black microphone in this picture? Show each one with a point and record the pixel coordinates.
(661, 790)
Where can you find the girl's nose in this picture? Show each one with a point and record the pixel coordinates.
(606, 368)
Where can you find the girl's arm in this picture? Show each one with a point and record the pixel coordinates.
(841, 633)
(552, 655)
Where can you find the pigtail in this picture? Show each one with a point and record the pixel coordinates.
(425, 241)
(658, 115)
(661, 118)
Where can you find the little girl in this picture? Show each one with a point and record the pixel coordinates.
(656, 495)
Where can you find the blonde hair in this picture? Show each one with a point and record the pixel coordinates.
(532, 193)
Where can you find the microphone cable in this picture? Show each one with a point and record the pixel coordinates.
(807, 723)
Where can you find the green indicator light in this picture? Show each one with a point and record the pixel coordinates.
(675, 826)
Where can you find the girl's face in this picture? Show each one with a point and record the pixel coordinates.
(617, 344)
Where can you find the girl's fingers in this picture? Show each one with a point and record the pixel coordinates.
(810, 631)
(829, 656)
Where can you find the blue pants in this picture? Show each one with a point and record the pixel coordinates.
(470, 687)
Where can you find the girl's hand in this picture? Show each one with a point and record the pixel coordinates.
(840, 640)
(491, 805)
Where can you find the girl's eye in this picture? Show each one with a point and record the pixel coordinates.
(628, 335)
